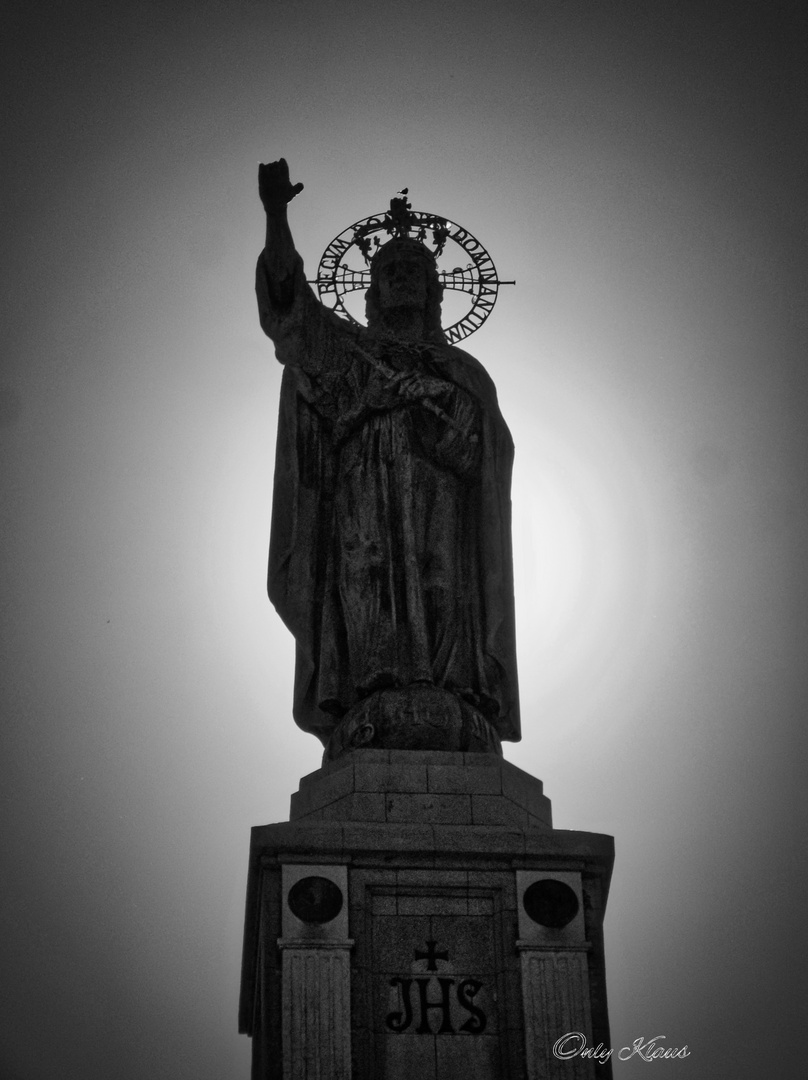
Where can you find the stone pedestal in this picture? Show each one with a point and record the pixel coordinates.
(419, 915)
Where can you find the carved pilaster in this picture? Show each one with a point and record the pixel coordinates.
(555, 972)
(555, 987)
(316, 974)
(316, 1010)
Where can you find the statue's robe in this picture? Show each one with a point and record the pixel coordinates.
(390, 552)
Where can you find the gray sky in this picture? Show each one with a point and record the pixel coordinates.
(639, 169)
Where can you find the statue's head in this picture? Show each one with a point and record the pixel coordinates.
(404, 285)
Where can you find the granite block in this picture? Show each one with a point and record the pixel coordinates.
(415, 807)
(482, 839)
(483, 761)
(321, 792)
(311, 815)
(382, 776)
(310, 778)
(297, 837)
(347, 761)
(384, 905)
(326, 769)
(455, 879)
(366, 836)
(365, 756)
(377, 878)
(426, 906)
(481, 905)
(428, 757)
(404, 1056)
(358, 806)
(394, 940)
(484, 879)
(471, 1057)
(523, 789)
(465, 780)
(496, 810)
(472, 945)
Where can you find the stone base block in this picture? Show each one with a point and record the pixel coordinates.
(473, 928)
(415, 786)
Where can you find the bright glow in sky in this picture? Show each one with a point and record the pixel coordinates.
(640, 171)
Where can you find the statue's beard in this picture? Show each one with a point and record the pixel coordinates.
(409, 318)
(403, 320)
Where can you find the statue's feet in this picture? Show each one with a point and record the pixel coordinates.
(415, 717)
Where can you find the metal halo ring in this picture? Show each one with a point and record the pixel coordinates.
(479, 278)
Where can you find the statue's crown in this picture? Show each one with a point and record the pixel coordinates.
(401, 245)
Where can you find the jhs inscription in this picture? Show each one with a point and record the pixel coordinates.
(430, 998)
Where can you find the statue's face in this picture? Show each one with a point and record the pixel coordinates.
(403, 282)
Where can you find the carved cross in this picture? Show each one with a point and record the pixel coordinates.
(431, 956)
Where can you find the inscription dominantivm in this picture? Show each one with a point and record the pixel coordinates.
(451, 999)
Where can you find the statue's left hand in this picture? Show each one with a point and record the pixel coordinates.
(275, 187)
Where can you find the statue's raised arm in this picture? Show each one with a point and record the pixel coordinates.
(277, 191)
(305, 333)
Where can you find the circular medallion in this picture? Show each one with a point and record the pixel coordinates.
(550, 903)
(315, 900)
(344, 266)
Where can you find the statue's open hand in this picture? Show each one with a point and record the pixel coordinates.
(275, 187)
